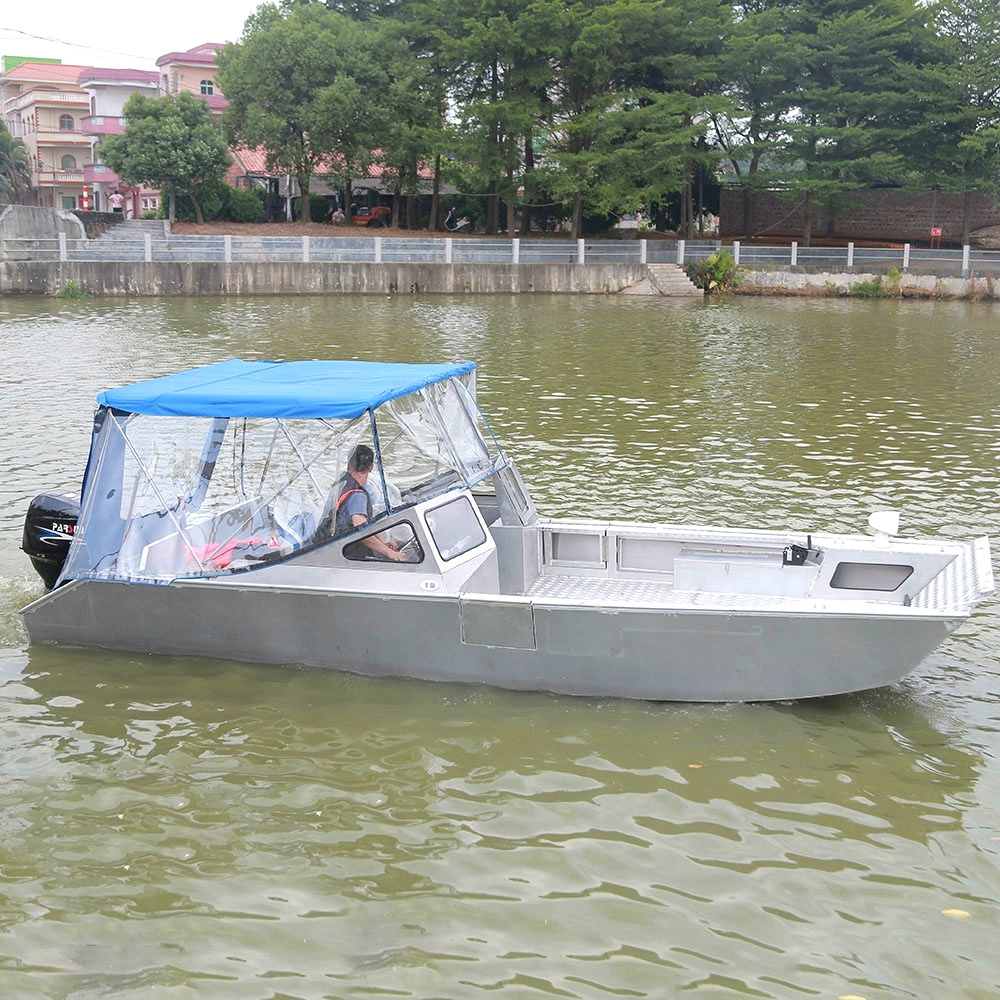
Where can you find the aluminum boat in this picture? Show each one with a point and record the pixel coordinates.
(209, 524)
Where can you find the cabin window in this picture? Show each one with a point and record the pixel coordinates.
(455, 528)
(400, 534)
(870, 576)
(207, 88)
(65, 123)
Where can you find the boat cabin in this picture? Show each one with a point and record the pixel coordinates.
(244, 464)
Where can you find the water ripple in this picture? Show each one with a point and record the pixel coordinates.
(203, 828)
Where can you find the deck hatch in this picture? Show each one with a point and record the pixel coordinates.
(870, 576)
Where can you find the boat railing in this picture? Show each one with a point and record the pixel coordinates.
(231, 249)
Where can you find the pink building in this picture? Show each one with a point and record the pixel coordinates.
(193, 71)
(108, 90)
(64, 112)
(42, 104)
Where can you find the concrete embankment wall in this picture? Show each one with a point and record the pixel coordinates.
(101, 278)
(981, 286)
(24, 222)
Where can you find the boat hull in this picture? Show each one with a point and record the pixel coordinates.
(712, 654)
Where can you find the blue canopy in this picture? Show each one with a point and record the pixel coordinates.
(306, 389)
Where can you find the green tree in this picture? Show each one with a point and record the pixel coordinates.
(413, 129)
(955, 143)
(635, 88)
(311, 88)
(495, 60)
(15, 167)
(759, 64)
(852, 101)
(170, 143)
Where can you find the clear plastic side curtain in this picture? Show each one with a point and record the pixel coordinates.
(167, 496)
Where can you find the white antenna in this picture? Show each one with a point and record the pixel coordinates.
(884, 523)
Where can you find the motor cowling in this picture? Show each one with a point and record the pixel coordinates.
(49, 527)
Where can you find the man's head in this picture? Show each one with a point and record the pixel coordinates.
(361, 460)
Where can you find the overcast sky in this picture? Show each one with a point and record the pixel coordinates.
(112, 33)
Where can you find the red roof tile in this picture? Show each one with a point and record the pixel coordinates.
(204, 54)
(45, 72)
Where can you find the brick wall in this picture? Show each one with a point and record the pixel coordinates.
(879, 213)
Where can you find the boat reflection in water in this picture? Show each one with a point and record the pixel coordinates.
(211, 523)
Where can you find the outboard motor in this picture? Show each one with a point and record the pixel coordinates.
(49, 527)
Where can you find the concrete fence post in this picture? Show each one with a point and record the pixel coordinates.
(906, 256)
(643, 251)
(378, 249)
(227, 249)
(449, 244)
(581, 252)
(794, 262)
(305, 249)
(147, 247)
(62, 247)
(680, 253)
(850, 256)
(515, 251)
(736, 252)
(965, 260)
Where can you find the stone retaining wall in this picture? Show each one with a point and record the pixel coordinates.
(296, 278)
(24, 222)
(838, 283)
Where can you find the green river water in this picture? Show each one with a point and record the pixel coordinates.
(183, 828)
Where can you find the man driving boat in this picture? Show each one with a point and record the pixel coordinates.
(349, 507)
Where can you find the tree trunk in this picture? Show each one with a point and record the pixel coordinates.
(435, 219)
(492, 208)
(701, 202)
(397, 203)
(577, 230)
(172, 207)
(684, 225)
(348, 202)
(529, 184)
(304, 214)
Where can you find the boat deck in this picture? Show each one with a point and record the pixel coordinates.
(596, 592)
(680, 568)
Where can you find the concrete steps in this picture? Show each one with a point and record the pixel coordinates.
(665, 279)
(671, 279)
(136, 229)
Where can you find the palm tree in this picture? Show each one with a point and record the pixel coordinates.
(15, 167)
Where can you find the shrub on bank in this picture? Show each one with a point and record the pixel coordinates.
(715, 273)
(873, 289)
(218, 201)
(245, 205)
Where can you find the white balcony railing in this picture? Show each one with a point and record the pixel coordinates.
(43, 97)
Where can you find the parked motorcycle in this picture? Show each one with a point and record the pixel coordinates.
(453, 225)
